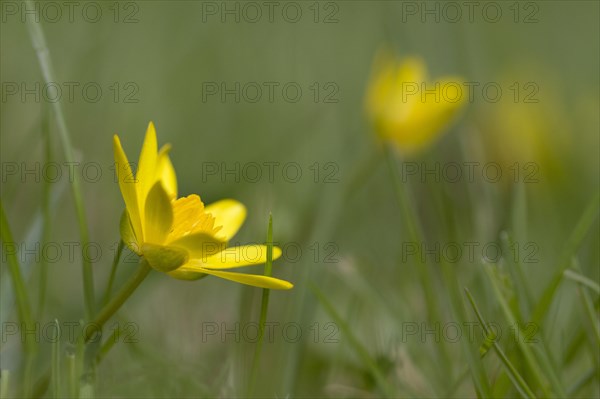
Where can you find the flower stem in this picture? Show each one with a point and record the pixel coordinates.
(118, 300)
(105, 314)
(113, 272)
(414, 233)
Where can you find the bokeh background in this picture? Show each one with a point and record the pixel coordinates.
(339, 221)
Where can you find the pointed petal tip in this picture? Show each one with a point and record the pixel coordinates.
(151, 129)
(165, 149)
(150, 138)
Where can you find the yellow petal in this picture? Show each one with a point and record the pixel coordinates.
(158, 215)
(393, 79)
(227, 213)
(180, 274)
(411, 70)
(165, 171)
(146, 167)
(245, 255)
(248, 279)
(164, 259)
(199, 245)
(127, 184)
(426, 117)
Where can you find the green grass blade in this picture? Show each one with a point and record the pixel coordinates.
(264, 306)
(513, 374)
(23, 303)
(108, 345)
(582, 280)
(415, 235)
(542, 368)
(360, 350)
(33, 234)
(591, 313)
(56, 364)
(511, 240)
(573, 348)
(39, 43)
(572, 245)
(586, 300)
(475, 365)
(43, 283)
(103, 316)
(581, 382)
(118, 300)
(4, 383)
(269, 263)
(519, 236)
(478, 374)
(113, 272)
(72, 368)
(523, 292)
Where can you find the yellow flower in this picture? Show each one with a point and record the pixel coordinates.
(180, 236)
(406, 108)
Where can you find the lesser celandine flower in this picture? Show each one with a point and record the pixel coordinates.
(180, 236)
(528, 138)
(406, 108)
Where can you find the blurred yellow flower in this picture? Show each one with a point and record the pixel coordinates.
(407, 109)
(529, 138)
(180, 236)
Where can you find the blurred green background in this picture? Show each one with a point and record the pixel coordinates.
(155, 61)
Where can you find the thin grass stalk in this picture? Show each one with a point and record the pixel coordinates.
(43, 282)
(537, 367)
(72, 369)
(4, 383)
(572, 245)
(582, 280)
(416, 236)
(588, 305)
(103, 316)
(386, 390)
(43, 53)
(113, 272)
(580, 383)
(514, 375)
(108, 345)
(264, 306)
(414, 232)
(23, 302)
(56, 364)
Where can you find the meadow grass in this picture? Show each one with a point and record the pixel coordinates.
(374, 319)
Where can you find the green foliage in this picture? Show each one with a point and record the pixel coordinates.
(382, 305)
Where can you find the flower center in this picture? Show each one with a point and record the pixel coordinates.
(189, 217)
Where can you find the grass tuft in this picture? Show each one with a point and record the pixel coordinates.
(264, 306)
